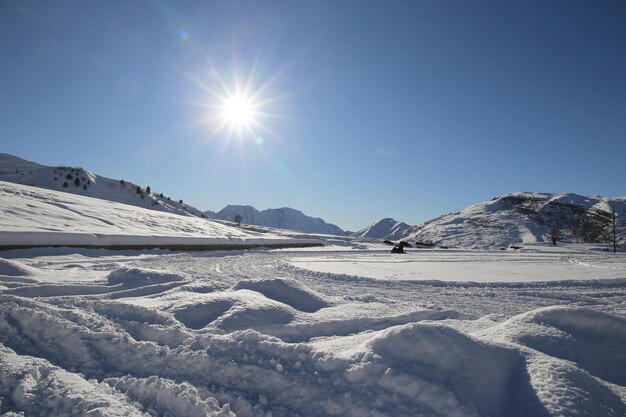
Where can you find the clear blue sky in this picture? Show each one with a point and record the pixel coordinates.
(404, 109)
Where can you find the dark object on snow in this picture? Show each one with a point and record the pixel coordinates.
(404, 244)
(389, 242)
(515, 247)
(397, 249)
(444, 247)
(424, 245)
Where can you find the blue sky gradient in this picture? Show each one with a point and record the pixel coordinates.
(404, 109)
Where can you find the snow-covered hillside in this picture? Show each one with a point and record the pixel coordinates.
(387, 228)
(281, 218)
(32, 216)
(82, 182)
(524, 218)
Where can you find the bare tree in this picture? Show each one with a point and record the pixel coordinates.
(554, 234)
(238, 218)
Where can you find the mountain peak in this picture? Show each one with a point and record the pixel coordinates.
(386, 228)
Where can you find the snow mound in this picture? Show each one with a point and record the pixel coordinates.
(170, 398)
(15, 269)
(37, 388)
(254, 311)
(198, 316)
(230, 311)
(287, 291)
(138, 277)
(592, 339)
(491, 378)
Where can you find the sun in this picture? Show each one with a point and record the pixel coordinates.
(239, 107)
(239, 110)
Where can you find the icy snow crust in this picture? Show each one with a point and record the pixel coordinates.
(262, 333)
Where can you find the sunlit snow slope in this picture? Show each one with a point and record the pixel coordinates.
(35, 216)
(82, 182)
(524, 218)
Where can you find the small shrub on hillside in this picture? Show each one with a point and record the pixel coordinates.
(65, 184)
(69, 176)
(77, 182)
(85, 187)
(148, 189)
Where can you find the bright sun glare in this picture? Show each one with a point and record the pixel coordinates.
(239, 110)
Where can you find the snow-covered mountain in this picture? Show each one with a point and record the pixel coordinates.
(281, 218)
(82, 182)
(524, 217)
(387, 228)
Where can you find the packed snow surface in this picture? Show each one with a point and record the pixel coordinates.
(532, 263)
(36, 216)
(272, 333)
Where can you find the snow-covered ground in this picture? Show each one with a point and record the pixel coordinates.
(337, 331)
(533, 263)
(35, 216)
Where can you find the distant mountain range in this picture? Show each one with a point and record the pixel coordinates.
(79, 181)
(387, 228)
(280, 218)
(521, 217)
(525, 217)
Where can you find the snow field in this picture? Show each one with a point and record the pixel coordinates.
(249, 335)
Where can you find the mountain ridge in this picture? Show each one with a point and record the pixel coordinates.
(281, 218)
